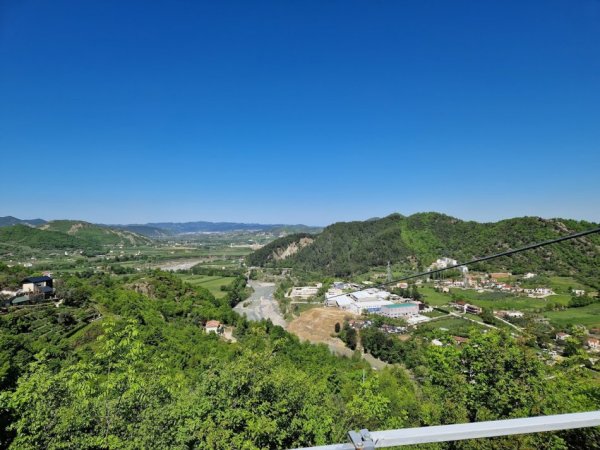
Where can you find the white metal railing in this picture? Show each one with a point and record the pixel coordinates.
(443, 433)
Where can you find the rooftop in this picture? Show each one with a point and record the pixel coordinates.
(36, 279)
(401, 305)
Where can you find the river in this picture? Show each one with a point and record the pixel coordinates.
(261, 304)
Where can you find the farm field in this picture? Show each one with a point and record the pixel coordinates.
(212, 283)
(498, 300)
(561, 285)
(586, 315)
(434, 298)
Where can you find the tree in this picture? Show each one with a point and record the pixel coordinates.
(351, 338)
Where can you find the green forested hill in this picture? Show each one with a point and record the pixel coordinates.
(23, 235)
(416, 241)
(99, 235)
(8, 221)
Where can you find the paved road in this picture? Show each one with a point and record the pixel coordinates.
(261, 304)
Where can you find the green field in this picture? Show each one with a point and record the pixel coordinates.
(454, 325)
(499, 300)
(586, 315)
(561, 285)
(434, 298)
(212, 283)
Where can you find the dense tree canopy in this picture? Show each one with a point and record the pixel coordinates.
(127, 365)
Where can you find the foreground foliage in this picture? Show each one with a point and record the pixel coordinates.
(134, 369)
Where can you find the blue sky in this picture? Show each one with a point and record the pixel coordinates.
(299, 111)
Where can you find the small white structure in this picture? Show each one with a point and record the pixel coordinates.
(414, 320)
(578, 292)
(213, 326)
(304, 292)
(511, 314)
(529, 275)
(442, 263)
(592, 343)
(8, 293)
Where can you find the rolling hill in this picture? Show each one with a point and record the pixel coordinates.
(25, 236)
(10, 220)
(414, 242)
(95, 234)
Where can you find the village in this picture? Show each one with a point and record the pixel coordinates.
(365, 301)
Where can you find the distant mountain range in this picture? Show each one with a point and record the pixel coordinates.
(159, 229)
(414, 242)
(166, 229)
(10, 220)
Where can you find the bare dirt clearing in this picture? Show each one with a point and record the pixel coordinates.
(317, 325)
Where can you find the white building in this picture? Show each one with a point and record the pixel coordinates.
(341, 301)
(399, 310)
(212, 326)
(579, 292)
(529, 275)
(442, 263)
(368, 306)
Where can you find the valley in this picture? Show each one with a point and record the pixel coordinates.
(274, 301)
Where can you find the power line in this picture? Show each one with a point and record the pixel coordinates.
(478, 260)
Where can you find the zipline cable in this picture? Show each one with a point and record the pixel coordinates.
(478, 260)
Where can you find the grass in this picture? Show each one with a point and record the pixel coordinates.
(561, 285)
(212, 283)
(498, 300)
(299, 308)
(434, 313)
(586, 315)
(454, 325)
(434, 298)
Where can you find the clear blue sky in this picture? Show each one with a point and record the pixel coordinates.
(299, 111)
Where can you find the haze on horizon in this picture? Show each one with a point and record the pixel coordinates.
(306, 112)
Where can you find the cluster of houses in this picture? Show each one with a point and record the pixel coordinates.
(590, 342)
(33, 290)
(492, 284)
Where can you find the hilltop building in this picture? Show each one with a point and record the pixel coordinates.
(213, 326)
(442, 263)
(38, 285)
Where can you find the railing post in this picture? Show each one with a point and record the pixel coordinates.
(361, 440)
